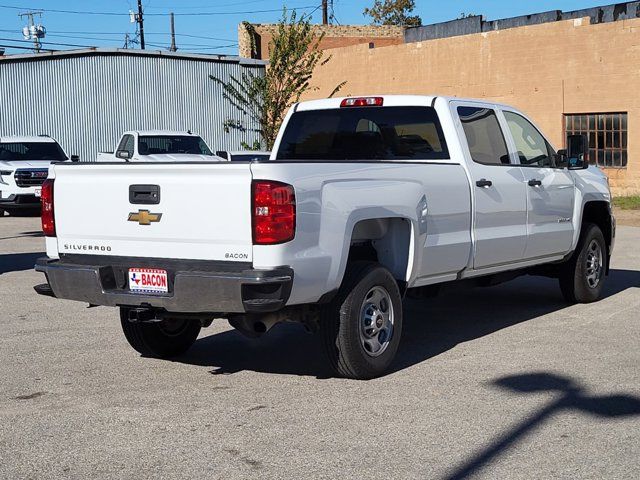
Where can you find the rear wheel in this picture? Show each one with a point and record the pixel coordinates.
(582, 277)
(361, 327)
(169, 338)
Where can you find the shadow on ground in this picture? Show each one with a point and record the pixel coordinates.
(571, 397)
(431, 327)
(35, 233)
(17, 262)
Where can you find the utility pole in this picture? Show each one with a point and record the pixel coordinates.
(140, 21)
(173, 47)
(32, 31)
(325, 13)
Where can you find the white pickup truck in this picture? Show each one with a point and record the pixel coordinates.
(364, 200)
(159, 146)
(24, 166)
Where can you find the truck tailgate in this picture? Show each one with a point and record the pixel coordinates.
(204, 211)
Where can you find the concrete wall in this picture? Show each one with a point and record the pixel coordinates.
(546, 70)
(335, 36)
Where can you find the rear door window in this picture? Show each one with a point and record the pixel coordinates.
(364, 133)
(484, 136)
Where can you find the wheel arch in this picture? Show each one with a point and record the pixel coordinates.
(387, 241)
(599, 213)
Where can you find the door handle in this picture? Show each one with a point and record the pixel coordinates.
(535, 183)
(484, 183)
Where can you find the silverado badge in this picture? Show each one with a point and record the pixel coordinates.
(144, 217)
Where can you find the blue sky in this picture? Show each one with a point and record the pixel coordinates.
(211, 27)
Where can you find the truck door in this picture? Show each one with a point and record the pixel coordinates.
(498, 188)
(550, 190)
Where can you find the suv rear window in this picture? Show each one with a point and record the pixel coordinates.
(364, 133)
(29, 151)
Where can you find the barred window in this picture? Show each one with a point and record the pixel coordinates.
(607, 133)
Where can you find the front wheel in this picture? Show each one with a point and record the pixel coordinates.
(169, 338)
(582, 276)
(361, 327)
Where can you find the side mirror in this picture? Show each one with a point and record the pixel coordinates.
(124, 154)
(561, 159)
(75, 158)
(577, 150)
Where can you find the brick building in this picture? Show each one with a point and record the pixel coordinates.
(254, 41)
(570, 71)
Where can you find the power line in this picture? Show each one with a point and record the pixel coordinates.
(202, 48)
(199, 46)
(195, 7)
(48, 43)
(56, 33)
(85, 12)
(25, 48)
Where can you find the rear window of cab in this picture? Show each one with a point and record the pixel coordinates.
(364, 133)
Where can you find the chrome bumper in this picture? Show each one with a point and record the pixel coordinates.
(194, 287)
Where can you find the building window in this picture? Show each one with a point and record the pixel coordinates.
(607, 133)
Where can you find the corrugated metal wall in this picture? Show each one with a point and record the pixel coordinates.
(87, 101)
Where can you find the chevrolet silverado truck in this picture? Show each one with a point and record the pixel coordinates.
(24, 166)
(363, 201)
(159, 146)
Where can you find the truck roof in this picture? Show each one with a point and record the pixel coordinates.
(246, 152)
(27, 138)
(389, 101)
(158, 133)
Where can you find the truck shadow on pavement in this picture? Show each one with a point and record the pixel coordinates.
(17, 262)
(569, 397)
(33, 234)
(431, 327)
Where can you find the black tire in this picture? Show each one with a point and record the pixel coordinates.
(165, 339)
(576, 282)
(341, 322)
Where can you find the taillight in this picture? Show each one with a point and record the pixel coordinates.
(48, 220)
(274, 212)
(362, 102)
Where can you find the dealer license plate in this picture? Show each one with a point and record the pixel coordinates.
(148, 280)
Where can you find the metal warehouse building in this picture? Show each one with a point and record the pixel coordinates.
(87, 98)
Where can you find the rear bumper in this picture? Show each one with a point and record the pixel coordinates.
(20, 201)
(194, 287)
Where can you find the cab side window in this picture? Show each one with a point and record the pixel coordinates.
(484, 135)
(533, 149)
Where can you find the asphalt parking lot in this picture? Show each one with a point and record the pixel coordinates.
(505, 382)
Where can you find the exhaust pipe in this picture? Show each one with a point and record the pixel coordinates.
(254, 326)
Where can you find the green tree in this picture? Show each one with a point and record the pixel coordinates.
(294, 53)
(393, 12)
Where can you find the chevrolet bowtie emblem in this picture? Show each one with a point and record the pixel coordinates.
(144, 217)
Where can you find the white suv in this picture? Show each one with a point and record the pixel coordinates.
(24, 166)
